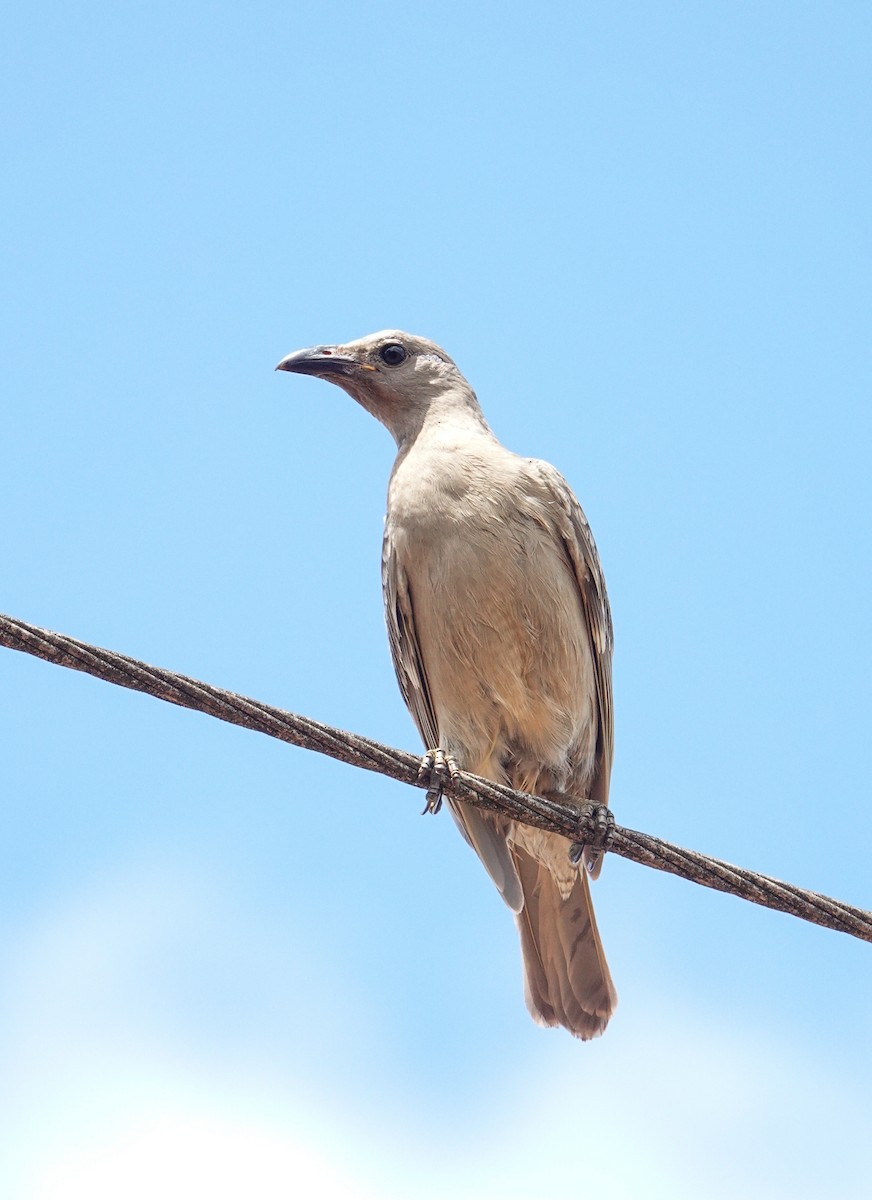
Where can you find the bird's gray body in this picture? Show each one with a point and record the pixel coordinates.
(501, 638)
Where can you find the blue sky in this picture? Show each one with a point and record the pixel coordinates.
(643, 232)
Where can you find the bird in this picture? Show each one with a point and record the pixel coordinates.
(501, 637)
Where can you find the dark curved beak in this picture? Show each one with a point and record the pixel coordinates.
(319, 360)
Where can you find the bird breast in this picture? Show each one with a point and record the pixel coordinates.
(497, 614)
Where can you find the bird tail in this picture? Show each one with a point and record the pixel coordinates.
(566, 976)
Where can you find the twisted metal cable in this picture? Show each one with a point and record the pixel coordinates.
(579, 826)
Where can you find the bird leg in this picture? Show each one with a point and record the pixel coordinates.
(437, 770)
(596, 824)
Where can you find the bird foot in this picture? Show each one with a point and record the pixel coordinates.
(437, 770)
(596, 825)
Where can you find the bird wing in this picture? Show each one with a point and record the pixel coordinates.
(581, 553)
(405, 649)
(485, 832)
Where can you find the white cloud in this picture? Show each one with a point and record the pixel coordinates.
(179, 1155)
(103, 1098)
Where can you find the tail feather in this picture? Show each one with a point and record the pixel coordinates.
(567, 979)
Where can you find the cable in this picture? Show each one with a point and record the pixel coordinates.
(582, 826)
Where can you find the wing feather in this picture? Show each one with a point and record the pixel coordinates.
(405, 650)
(581, 553)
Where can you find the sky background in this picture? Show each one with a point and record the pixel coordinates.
(229, 967)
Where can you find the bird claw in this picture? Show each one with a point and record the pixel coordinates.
(598, 825)
(438, 770)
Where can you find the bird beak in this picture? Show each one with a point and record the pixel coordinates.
(319, 360)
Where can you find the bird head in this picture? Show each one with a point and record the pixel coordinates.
(398, 377)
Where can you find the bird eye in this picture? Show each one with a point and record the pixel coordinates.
(392, 354)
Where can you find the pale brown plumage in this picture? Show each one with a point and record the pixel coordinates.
(501, 638)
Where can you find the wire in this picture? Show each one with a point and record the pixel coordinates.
(583, 826)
